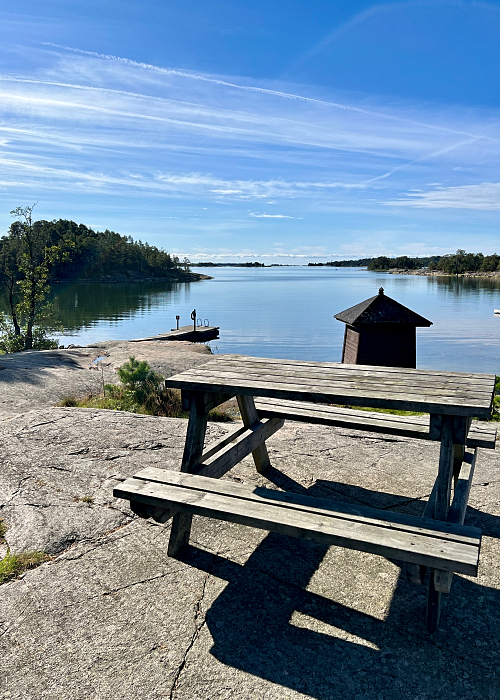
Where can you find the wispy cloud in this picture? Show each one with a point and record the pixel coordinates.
(83, 126)
(485, 196)
(266, 91)
(270, 216)
(204, 254)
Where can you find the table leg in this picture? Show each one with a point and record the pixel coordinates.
(434, 602)
(250, 417)
(458, 458)
(441, 507)
(445, 471)
(193, 449)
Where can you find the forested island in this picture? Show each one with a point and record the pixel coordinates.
(362, 262)
(84, 254)
(403, 262)
(230, 264)
(36, 254)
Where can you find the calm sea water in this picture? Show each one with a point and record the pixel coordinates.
(288, 312)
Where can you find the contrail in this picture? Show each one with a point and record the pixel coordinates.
(266, 91)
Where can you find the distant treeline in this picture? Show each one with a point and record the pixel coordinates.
(455, 264)
(403, 262)
(228, 264)
(363, 262)
(383, 263)
(467, 262)
(89, 254)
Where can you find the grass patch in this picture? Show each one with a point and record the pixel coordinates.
(495, 412)
(162, 402)
(83, 499)
(393, 411)
(220, 416)
(3, 530)
(166, 402)
(13, 565)
(143, 391)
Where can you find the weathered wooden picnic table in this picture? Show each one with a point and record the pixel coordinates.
(311, 392)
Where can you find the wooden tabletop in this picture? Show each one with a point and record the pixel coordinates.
(426, 391)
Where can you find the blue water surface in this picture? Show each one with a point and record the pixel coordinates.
(288, 312)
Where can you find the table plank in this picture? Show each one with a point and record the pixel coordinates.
(338, 383)
(373, 394)
(353, 373)
(344, 367)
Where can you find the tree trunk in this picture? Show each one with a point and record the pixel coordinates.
(17, 330)
(28, 343)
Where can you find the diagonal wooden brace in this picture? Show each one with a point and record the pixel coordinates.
(250, 416)
(229, 451)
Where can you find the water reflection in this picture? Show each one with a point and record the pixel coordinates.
(460, 286)
(83, 305)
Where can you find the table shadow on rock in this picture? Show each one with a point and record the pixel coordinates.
(251, 621)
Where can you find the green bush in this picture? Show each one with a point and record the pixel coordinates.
(10, 342)
(142, 390)
(495, 413)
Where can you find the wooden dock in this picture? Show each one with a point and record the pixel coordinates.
(201, 335)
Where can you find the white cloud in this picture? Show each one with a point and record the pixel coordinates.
(485, 196)
(271, 216)
(203, 254)
(81, 124)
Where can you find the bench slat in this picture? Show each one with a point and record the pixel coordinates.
(451, 548)
(404, 426)
(313, 504)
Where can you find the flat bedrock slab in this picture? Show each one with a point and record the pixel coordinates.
(41, 378)
(241, 613)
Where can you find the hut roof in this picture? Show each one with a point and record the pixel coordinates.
(381, 309)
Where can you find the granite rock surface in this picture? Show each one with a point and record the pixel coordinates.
(241, 613)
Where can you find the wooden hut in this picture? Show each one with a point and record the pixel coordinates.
(381, 331)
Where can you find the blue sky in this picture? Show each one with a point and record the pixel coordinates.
(280, 131)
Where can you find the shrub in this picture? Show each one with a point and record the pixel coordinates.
(10, 342)
(143, 391)
(495, 413)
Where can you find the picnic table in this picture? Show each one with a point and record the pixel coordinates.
(270, 391)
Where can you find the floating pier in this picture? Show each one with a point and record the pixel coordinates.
(200, 335)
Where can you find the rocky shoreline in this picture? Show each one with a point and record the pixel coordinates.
(438, 273)
(38, 379)
(173, 276)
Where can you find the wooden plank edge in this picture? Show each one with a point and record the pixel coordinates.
(260, 388)
(303, 532)
(311, 504)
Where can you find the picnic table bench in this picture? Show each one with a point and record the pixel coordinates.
(309, 391)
